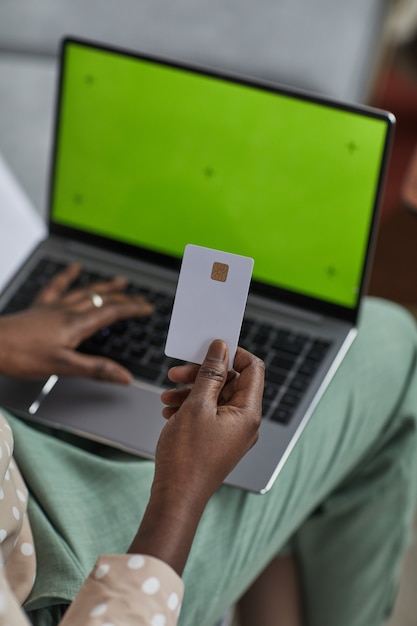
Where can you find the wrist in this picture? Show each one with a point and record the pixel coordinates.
(169, 525)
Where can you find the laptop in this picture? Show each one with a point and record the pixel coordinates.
(149, 155)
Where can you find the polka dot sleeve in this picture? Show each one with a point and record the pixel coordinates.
(132, 590)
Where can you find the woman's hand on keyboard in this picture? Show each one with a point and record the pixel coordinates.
(42, 340)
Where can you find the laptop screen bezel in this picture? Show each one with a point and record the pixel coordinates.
(258, 288)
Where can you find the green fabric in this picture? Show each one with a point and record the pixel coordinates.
(344, 500)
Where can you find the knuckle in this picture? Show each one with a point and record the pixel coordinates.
(211, 371)
(254, 412)
(255, 438)
(258, 363)
(257, 366)
(102, 370)
(61, 362)
(197, 404)
(255, 418)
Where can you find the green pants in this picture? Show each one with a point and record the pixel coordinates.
(343, 503)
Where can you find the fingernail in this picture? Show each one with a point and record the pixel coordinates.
(217, 350)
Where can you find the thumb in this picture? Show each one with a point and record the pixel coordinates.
(212, 374)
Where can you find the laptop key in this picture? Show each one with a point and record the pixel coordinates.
(282, 415)
(157, 341)
(157, 359)
(143, 370)
(271, 390)
(318, 350)
(299, 383)
(290, 400)
(136, 351)
(261, 353)
(262, 335)
(85, 279)
(275, 376)
(309, 367)
(292, 344)
(283, 362)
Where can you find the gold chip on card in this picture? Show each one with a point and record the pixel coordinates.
(219, 271)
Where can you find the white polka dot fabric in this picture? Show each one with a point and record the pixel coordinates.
(133, 590)
(17, 550)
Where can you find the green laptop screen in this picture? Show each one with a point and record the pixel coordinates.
(158, 157)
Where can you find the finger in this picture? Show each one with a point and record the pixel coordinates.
(95, 367)
(169, 411)
(244, 359)
(113, 308)
(249, 385)
(175, 397)
(58, 285)
(118, 283)
(112, 286)
(211, 376)
(229, 388)
(183, 373)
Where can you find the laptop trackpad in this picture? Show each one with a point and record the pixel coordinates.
(126, 417)
(18, 395)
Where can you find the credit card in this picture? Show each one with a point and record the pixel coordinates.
(209, 303)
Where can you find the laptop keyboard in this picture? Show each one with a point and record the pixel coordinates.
(291, 358)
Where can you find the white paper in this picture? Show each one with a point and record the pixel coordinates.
(21, 226)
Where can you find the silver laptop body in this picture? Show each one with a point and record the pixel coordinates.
(150, 155)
